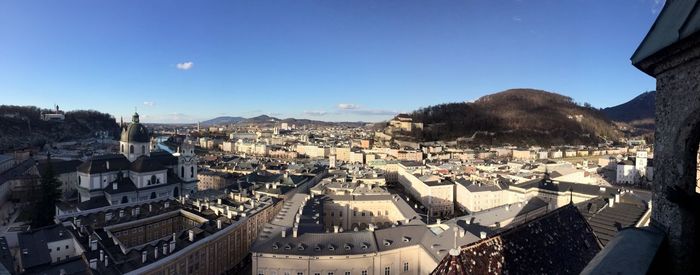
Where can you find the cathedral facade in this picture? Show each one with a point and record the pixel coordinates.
(140, 172)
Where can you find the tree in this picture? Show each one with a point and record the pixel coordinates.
(45, 209)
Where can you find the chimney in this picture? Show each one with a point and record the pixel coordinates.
(190, 233)
(284, 233)
(155, 253)
(165, 249)
(218, 224)
(611, 202)
(295, 232)
(93, 264)
(371, 227)
(115, 185)
(107, 163)
(482, 235)
(93, 244)
(150, 207)
(219, 201)
(106, 262)
(439, 221)
(335, 229)
(617, 198)
(102, 255)
(507, 207)
(144, 256)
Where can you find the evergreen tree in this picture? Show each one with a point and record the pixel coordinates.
(45, 208)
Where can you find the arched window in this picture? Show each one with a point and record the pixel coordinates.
(191, 171)
(131, 149)
(182, 172)
(122, 148)
(153, 179)
(125, 199)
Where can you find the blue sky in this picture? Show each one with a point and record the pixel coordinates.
(184, 61)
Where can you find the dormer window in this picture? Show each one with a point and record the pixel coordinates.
(317, 248)
(387, 242)
(348, 246)
(275, 246)
(406, 239)
(301, 247)
(331, 247)
(287, 247)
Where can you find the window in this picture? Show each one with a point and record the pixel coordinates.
(58, 248)
(66, 247)
(143, 149)
(364, 272)
(387, 270)
(122, 150)
(330, 273)
(405, 267)
(131, 149)
(300, 273)
(261, 273)
(182, 172)
(192, 171)
(347, 272)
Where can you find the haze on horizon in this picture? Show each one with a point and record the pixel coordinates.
(184, 61)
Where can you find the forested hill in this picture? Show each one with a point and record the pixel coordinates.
(22, 126)
(516, 116)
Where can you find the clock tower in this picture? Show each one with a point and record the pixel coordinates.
(187, 167)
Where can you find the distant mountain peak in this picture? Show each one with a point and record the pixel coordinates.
(641, 107)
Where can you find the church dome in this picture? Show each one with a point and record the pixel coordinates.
(135, 132)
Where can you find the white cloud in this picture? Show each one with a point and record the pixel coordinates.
(149, 103)
(315, 113)
(185, 65)
(347, 106)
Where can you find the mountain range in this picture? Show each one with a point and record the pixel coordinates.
(265, 120)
